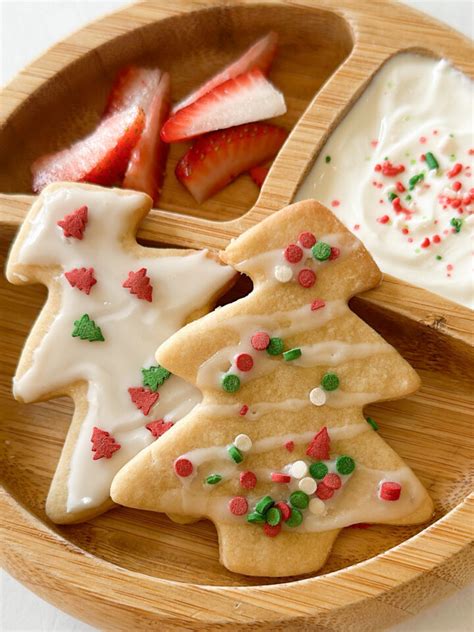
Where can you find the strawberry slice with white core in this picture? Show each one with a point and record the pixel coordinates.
(259, 55)
(100, 158)
(216, 159)
(247, 98)
(133, 86)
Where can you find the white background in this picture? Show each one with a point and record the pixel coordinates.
(27, 28)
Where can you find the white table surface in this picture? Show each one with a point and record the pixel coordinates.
(27, 28)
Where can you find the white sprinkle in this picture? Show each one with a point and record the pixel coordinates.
(317, 507)
(243, 442)
(283, 273)
(317, 396)
(298, 469)
(307, 485)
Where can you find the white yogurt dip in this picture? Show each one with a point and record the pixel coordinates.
(410, 135)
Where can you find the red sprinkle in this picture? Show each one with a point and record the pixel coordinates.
(278, 477)
(456, 185)
(422, 157)
(335, 203)
(405, 231)
(74, 223)
(159, 427)
(271, 531)
(318, 303)
(449, 267)
(390, 491)
(332, 480)
(306, 278)
(426, 242)
(398, 208)
(244, 362)
(248, 480)
(290, 446)
(384, 219)
(284, 510)
(318, 449)
(356, 226)
(293, 253)
(323, 492)
(103, 445)
(183, 467)
(391, 170)
(422, 139)
(260, 340)
(238, 506)
(378, 167)
(400, 188)
(307, 240)
(455, 170)
(139, 284)
(244, 410)
(456, 203)
(82, 278)
(335, 253)
(143, 398)
(436, 239)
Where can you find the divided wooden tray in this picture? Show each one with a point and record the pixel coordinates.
(133, 570)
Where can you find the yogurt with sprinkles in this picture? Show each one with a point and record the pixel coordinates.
(398, 172)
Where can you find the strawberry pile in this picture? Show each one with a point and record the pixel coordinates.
(222, 118)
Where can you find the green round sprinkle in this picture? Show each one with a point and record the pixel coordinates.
(328, 159)
(318, 470)
(330, 382)
(273, 516)
(235, 454)
(299, 500)
(408, 197)
(255, 517)
(321, 251)
(264, 504)
(213, 479)
(230, 383)
(295, 519)
(372, 423)
(275, 346)
(438, 257)
(345, 465)
(456, 222)
(292, 354)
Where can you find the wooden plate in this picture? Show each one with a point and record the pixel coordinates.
(135, 570)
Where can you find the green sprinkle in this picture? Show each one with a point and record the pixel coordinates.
(452, 157)
(451, 136)
(414, 180)
(345, 465)
(386, 158)
(275, 346)
(408, 197)
(230, 383)
(299, 499)
(295, 519)
(321, 251)
(86, 329)
(255, 517)
(273, 516)
(330, 382)
(456, 222)
(439, 257)
(318, 470)
(292, 354)
(392, 196)
(372, 423)
(213, 479)
(154, 377)
(431, 160)
(328, 159)
(413, 161)
(234, 453)
(264, 504)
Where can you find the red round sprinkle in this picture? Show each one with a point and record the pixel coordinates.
(335, 252)
(335, 203)
(332, 480)
(400, 187)
(455, 170)
(260, 340)
(390, 491)
(456, 203)
(278, 477)
(238, 506)
(183, 467)
(422, 139)
(422, 157)
(323, 492)
(244, 410)
(293, 253)
(378, 168)
(244, 362)
(436, 239)
(425, 243)
(271, 531)
(456, 185)
(318, 303)
(405, 231)
(383, 219)
(248, 480)
(306, 278)
(284, 510)
(290, 446)
(307, 240)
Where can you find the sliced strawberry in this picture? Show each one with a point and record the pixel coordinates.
(100, 158)
(258, 175)
(133, 86)
(218, 158)
(247, 98)
(259, 55)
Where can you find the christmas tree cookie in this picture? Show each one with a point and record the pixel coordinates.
(111, 302)
(279, 454)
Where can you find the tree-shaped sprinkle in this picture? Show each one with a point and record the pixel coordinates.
(86, 329)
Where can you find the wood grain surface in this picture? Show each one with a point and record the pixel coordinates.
(137, 570)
